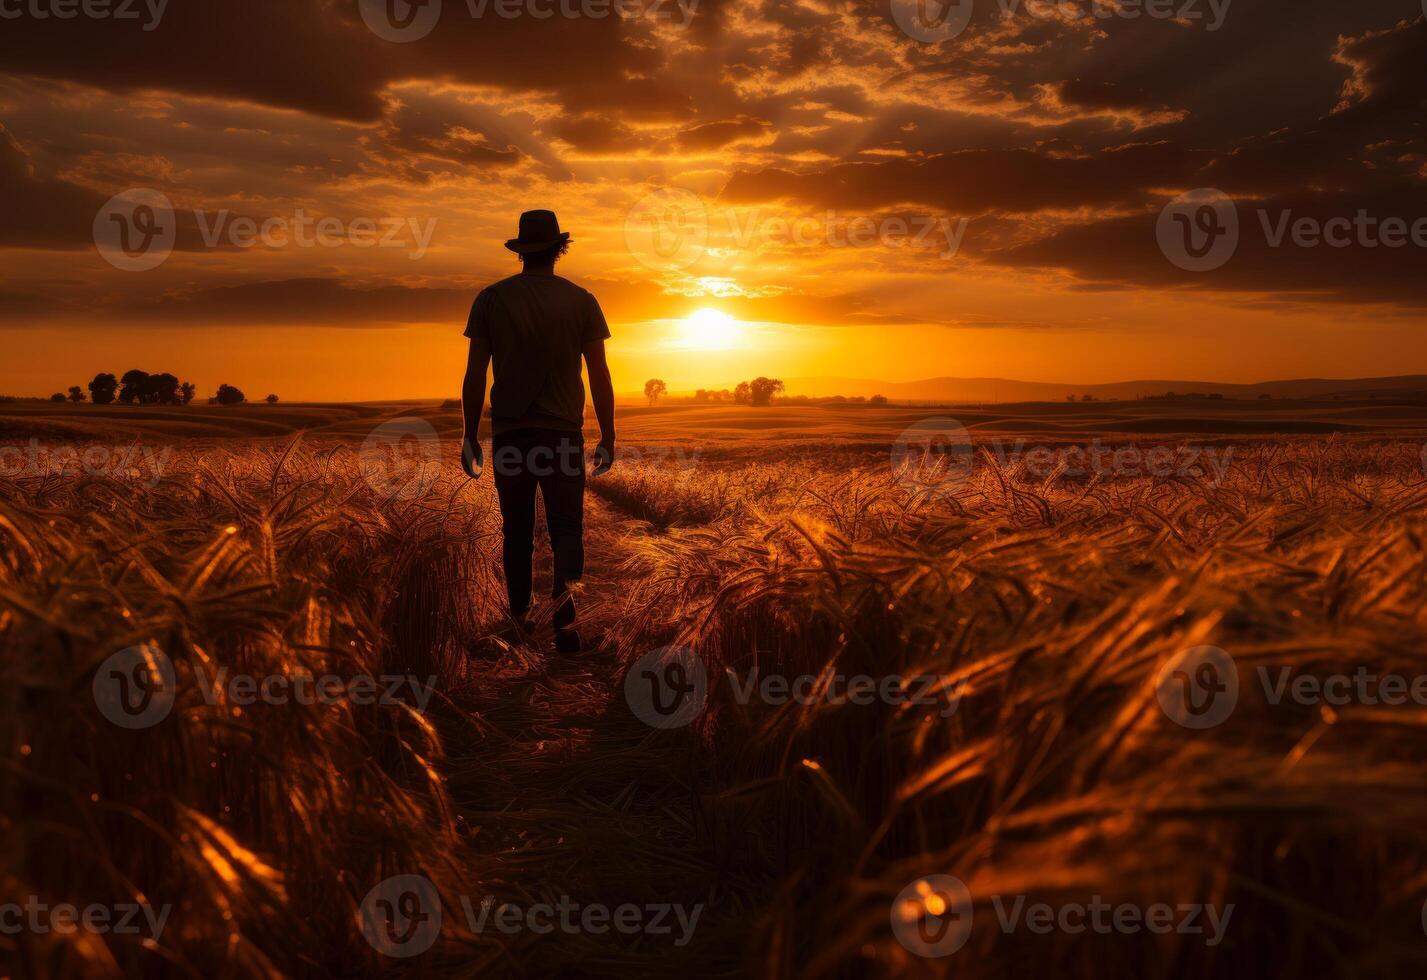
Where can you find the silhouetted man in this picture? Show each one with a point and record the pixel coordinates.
(534, 327)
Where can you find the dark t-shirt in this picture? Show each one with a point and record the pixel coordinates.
(536, 325)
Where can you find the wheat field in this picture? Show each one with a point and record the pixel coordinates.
(1043, 607)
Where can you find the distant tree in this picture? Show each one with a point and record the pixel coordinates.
(762, 390)
(1087, 398)
(877, 401)
(1070, 398)
(143, 388)
(186, 391)
(228, 395)
(134, 383)
(653, 388)
(102, 389)
(1265, 397)
(162, 389)
(743, 393)
(271, 399)
(57, 397)
(702, 395)
(76, 394)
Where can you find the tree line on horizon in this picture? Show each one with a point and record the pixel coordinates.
(759, 393)
(142, 388)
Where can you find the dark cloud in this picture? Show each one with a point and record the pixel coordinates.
(716, 135)
(1103, 95)
(294, 54)
(980, 181)
(41, 212)
(318, 302)
(318, 55)
(594, 133)
(1125, 251)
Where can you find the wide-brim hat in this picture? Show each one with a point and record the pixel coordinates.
(539, 230)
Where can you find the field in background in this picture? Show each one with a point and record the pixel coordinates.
(1046, 593)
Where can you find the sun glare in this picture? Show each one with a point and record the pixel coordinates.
(708, 329)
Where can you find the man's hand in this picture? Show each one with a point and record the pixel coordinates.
(603, 457)
(472, 461)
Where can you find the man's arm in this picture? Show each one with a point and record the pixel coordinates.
(602, 393)
(473, 405)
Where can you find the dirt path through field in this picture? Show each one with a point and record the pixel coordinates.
(567, 794)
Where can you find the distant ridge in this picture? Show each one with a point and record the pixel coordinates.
(1009, 390)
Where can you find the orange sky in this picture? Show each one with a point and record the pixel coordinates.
(862, 202)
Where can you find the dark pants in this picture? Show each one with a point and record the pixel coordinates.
(553, 461)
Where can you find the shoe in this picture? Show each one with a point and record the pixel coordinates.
(567, 641)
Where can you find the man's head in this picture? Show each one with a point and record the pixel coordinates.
(544, 257)
(541, 241)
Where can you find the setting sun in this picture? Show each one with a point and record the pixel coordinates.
(709, 329)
